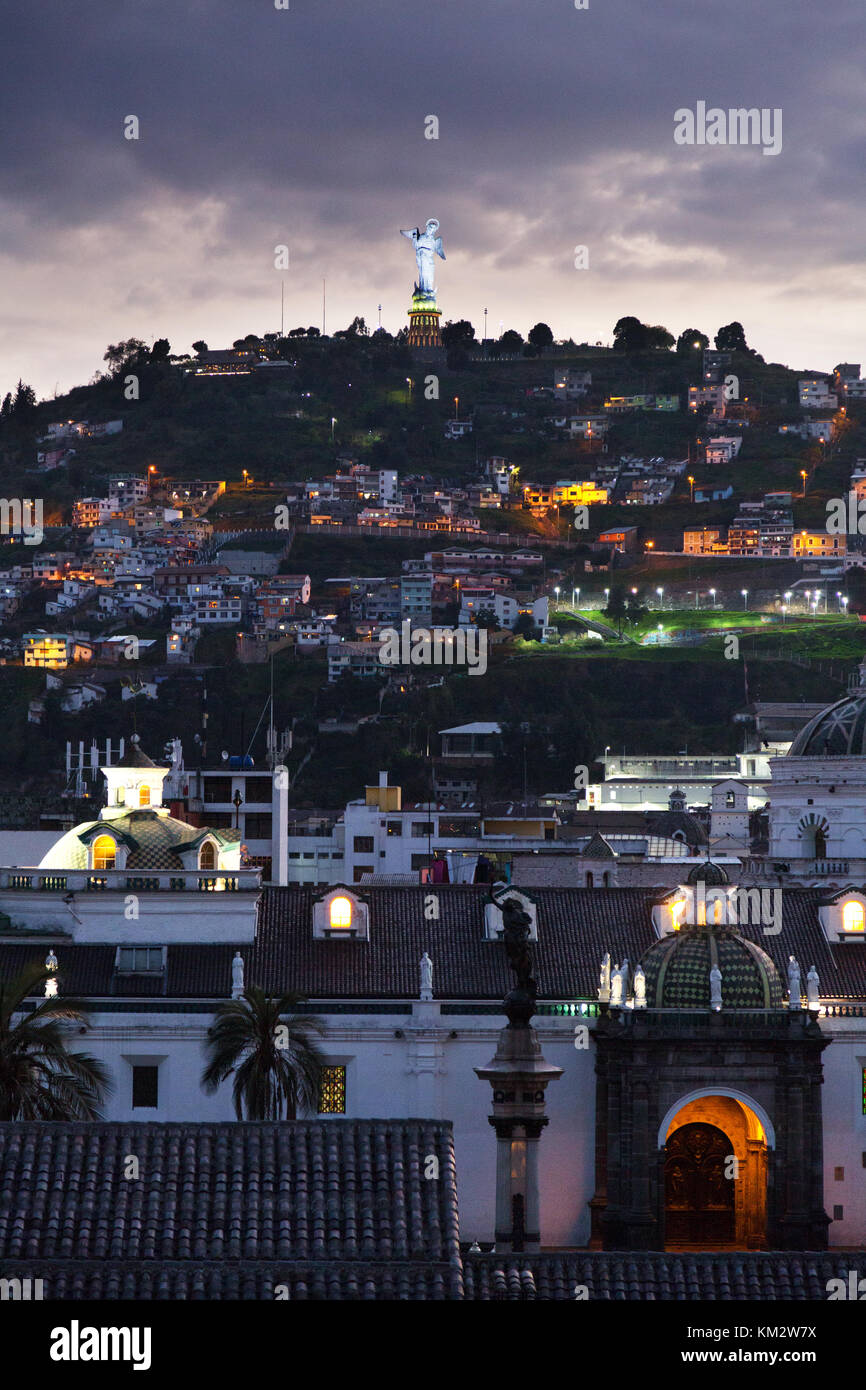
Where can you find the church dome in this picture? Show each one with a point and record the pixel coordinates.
(677, 970)
(838, 731)
(708, 872)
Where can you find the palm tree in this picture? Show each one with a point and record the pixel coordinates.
(39, 1078)
(272, 1052)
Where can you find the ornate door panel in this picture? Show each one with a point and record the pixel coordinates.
(699, 1199)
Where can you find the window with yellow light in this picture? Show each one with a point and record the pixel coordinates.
(104, 852)
(340, 912)
(853, 916)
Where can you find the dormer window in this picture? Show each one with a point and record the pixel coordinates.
(104, 853)
(341, 914)
(844, 918)
(207, 856)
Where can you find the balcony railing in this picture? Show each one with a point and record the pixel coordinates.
(121, 881)
(827, 867)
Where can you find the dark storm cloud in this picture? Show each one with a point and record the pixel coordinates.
(259, 126)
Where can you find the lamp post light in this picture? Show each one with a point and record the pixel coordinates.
(745, 594)
(410, 383)
(804, 475)
(661, 593)
(556, 591)
(333, 423)
(576, 591)
(844, 602)
(784, 614)
(713, 597)
(691, 483)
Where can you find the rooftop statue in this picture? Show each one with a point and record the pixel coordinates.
(516, 924)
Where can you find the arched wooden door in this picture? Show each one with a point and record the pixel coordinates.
(699, 1199)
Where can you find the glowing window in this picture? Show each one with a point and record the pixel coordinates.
(340, 912)
(207, 856)
(144, 796)
(104, 851)
(332, 1087)
(852, 916)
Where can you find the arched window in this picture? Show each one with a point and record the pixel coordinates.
(104, 852)
(820, 844)
(588, 878)
(605, 879)
(853, 916)
(144, 796)
(207, 855)
(340, 912)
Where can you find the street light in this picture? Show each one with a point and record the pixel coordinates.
(333, 423)
(573, 592)
(804, 475)
(745, 594)
(691, 483)
(845, 605)
(661, 594)
(713, 597)
(556, 591)
(456, 406)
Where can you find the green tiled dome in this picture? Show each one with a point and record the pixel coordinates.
(677, 970)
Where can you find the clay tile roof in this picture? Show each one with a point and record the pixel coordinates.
(672, 1276)
(341, 1207)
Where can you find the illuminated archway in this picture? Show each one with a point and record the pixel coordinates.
(715, 1146)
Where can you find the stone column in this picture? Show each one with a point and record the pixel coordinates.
(519, 1076)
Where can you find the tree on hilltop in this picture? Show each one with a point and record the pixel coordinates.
(691, 339)
(459, 334)
(731, 338)
(540, 336)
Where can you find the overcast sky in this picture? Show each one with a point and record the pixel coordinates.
(261, 126)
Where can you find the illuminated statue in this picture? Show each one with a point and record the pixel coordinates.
(639, 988)
(715, 988)
(812, 983)
(427, 245)
(604, 979)
(617, 987)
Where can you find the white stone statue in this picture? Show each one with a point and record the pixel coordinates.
(715, 988)
(812, 983)
(617, 987)
(604, 979)
(51, 959)
(237, 975)
(793, 984)
(639, 987)
(426, 977)
(427, 245)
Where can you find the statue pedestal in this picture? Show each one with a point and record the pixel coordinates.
(424, 317)
(519, 1076)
